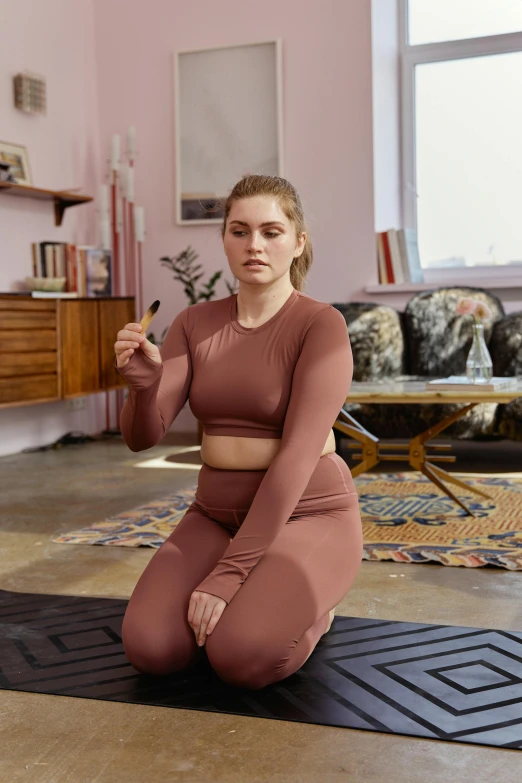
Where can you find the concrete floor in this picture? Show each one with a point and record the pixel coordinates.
(53, 739)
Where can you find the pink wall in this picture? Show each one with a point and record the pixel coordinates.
(54, 38)
(327, 118)
(109, 64)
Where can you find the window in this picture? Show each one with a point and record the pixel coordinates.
(462, 140)
(452, 20)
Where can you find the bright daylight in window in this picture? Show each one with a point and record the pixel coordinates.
(467, 126)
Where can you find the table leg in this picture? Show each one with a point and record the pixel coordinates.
(426, 469)
(419, 462)
(371, 453)
(443, 474)
(369, 443)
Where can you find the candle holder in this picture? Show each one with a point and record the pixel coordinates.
(122, 227)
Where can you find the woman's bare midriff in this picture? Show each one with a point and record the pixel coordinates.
(232, 453)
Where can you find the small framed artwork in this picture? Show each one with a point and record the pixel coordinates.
(16, 158)
(228, 122)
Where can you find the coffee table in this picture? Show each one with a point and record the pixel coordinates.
(414, 391)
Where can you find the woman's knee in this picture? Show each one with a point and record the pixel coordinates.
(242, 662)
(153, 649)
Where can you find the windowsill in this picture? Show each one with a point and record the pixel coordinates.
(397, 288)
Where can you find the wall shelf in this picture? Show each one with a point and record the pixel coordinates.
(61, 198)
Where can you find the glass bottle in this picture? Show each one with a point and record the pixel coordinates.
(479, 367)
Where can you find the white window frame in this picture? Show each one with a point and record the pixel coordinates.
(410, 56)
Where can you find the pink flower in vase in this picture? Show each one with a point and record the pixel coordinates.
(466, 306)
(482, 312)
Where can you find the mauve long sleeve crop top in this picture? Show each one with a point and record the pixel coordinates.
(287, 378)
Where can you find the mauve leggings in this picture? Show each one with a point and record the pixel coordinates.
(280, 612)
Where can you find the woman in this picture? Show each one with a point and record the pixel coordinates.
(273, 540)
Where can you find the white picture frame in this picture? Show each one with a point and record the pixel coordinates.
(228, 121)
(15, 156)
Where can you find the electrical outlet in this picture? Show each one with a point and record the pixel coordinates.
(77, 404)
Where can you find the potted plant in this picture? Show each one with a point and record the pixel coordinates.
(184, 270)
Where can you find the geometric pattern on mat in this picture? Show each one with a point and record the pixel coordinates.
(405, 517)
(434, 681)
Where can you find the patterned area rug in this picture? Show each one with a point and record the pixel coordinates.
(406, 518)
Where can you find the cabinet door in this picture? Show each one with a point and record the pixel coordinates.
(79, 343)
(113, 314)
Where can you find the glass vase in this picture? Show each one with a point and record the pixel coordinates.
(479, 367)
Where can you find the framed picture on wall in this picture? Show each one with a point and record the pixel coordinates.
(228, 122)
(15, 156)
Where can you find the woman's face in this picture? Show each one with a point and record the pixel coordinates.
(247, 237)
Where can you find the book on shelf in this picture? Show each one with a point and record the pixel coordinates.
(458, 382)
(398, 256)
(383, 260)
(87, 269)
(381, 266)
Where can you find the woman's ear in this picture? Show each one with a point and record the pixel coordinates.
(299, 248)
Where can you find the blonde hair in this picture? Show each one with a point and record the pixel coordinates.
(290, 203)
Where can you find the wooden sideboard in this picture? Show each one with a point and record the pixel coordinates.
(56, 349)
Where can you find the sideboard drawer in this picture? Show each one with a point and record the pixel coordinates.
(27, 304)
(30, 387)
(23, 364)
(27, 319)
(27, 341)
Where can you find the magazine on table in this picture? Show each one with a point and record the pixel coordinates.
(457, 382)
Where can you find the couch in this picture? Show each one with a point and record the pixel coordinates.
(428, 340)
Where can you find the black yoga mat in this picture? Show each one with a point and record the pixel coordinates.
(434, 681)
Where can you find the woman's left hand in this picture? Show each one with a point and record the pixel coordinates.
(203, 614)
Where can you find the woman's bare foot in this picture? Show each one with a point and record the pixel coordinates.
(332, 615)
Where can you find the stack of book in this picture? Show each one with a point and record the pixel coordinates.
(398, 256)
(87, 269)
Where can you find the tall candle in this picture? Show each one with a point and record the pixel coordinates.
(130, 184)
(105, 233)
(119, 214)
(124, 176)
(115, 152)
(139, 223)
(131, 142)
(104, 200)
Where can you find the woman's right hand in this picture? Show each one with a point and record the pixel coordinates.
(130, 339)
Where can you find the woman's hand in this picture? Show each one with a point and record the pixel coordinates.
(129, 340)
(203, 614)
